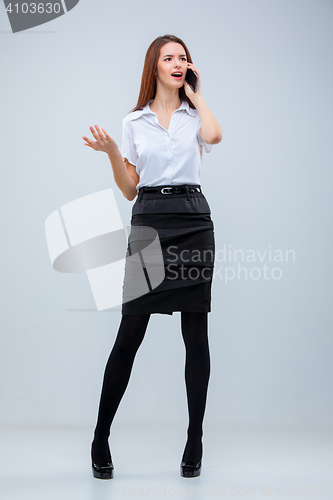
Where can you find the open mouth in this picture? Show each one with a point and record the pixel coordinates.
(177, 75)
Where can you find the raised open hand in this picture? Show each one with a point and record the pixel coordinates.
(103, 142)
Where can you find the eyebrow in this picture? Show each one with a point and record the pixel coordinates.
(170, 55)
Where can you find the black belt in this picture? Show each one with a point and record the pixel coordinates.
(169, 190)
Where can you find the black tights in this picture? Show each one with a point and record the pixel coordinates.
(118, 369)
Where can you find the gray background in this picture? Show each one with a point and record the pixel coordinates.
(267, 77)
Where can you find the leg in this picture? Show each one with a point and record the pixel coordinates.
(197, 371)
(117, 373)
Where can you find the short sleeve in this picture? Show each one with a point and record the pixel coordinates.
(128, 149)
(208, 147)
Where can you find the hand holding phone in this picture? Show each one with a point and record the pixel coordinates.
(192, 79)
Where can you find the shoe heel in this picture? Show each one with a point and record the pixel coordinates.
(190, 469)
(102, 471)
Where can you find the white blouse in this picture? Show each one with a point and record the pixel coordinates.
(164, 156)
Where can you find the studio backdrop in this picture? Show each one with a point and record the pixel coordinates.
(267, 77)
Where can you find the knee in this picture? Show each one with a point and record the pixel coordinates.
(196, 344)
(194, 329)
(128, 345)
(131, 332)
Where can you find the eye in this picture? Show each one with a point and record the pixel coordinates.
(170, 58)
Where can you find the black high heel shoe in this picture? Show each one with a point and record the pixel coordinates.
(190, 469)
(102, 471)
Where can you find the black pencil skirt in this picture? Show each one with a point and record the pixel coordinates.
(171, 251)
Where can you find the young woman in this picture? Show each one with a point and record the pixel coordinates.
(160, 161)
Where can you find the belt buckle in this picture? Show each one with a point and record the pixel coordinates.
(164, 192)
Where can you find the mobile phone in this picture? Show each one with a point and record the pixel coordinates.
(192, 79)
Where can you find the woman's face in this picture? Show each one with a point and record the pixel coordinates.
(172, 60)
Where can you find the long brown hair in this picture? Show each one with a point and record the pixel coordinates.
(148, 79)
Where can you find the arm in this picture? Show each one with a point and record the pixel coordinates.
(210, 131)
(123, 172)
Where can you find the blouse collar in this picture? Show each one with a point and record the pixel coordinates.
(146, 110)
